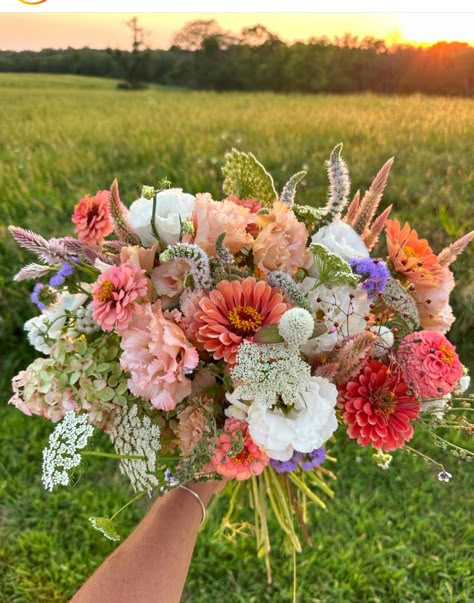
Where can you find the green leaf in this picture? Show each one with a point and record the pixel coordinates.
(289, 190)
(331, 269)
(310, 216)
(246, 178)
(106, 526)
(268, 334)
(107, 394)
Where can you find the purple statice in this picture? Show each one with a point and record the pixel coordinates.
(374, 272)
(289, 465)
(314, 458)
(59, 278)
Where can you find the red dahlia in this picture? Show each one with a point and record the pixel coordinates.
(378, 406)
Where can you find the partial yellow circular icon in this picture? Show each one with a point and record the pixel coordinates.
(32, 3)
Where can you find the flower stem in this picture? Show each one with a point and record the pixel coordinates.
(111, 455)
(130, 502)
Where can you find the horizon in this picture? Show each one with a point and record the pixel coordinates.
(108, 30)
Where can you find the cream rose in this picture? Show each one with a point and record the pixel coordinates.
(342, 239)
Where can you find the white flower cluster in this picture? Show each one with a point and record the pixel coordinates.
(269, 373)
(37, 331)
(286, 409)
(296, 326)
(70, 435)
(133, 436)
(84, 321)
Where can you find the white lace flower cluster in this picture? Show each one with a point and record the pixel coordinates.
(296, 326)
(286, 409)
(135, 436)
(61, 456)
(84, 321)
(268, 373)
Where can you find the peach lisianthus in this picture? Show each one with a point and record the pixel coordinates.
(250, 461)
(412, 257)
(281, 244)
(92, 218)
(158, 357)
(433, 303)
(168, 280)
(142, 257)
(211, 218)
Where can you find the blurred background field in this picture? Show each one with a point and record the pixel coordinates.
(390, 536)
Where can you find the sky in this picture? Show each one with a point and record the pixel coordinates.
(101, 30)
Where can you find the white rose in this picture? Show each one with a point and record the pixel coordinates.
(172, 208)
(309, 424)
(342, 239)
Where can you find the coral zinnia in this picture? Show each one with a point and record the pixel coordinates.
(92, 218)
(115, 294)
(429, 363)
(249, 461)
(233, 312)
(378, 406)
(412, 257)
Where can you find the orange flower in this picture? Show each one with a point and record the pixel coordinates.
(92, 218)
(412, 257)
(234, 312)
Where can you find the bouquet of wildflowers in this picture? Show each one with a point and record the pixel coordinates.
(231, 339)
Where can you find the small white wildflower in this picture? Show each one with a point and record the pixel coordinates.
(61, 456)
(444, 476)
(134, 436)
(269, 373)
(84, 321)
(296, 326)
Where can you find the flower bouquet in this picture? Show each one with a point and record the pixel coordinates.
(231, 339)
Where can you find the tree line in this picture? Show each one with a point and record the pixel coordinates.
(205, 57)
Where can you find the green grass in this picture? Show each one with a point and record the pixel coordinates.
(395, 536)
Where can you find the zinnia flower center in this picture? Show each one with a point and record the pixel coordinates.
(410, 252)
(92, 211)
(105, 293)
(245, 319)
(385, 402)
(243, 457)
(447, 355)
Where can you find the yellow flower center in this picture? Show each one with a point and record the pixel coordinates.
(410, 252)
(447, 355)
(242, 457)
(245, 320)
(105, 293)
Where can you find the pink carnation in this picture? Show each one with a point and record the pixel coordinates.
(158, 357)
(115, 294)
(211, 218)
(281, 244)
(92, 218)
(429, 363)
(168, 280)
(251, 460)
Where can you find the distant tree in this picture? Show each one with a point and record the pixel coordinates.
(257, 35)
(134, 65)
(194, 34)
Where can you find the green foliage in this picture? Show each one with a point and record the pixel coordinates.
(391, 536)
(330, 268)
(246, 178)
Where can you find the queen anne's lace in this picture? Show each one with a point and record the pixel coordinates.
(135, 436)
(61, 456)
(267, 373)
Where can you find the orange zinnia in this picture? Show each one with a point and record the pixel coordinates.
(233, 312)
(412, 257)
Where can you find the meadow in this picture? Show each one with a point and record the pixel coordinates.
(393, 537)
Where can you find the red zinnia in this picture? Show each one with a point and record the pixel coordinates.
(378, 406)
(235, 311)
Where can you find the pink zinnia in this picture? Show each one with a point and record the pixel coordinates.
(429, 363)
(158, 357)
(92, 218)
(378, 406)
(251, 460)
(115, 294)
(233, 312)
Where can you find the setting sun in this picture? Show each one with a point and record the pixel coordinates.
(429, 28)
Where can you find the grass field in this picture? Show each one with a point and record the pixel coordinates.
(388, 537)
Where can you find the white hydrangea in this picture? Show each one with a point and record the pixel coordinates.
(268, 373)
(340, 310)
(61, 456)
(37, 332)
(309, 423)
(296, 326)
(135, 436)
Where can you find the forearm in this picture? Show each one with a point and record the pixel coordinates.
(152, 564)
